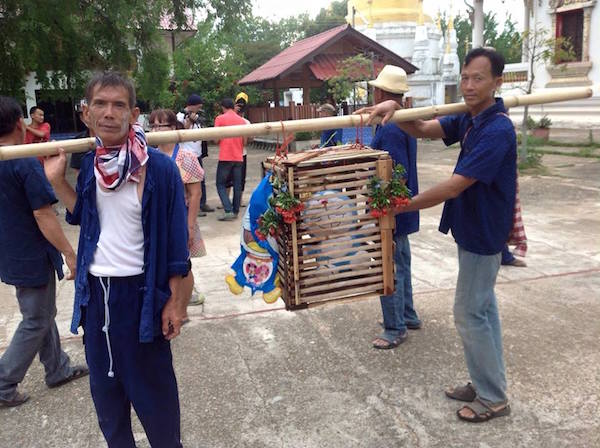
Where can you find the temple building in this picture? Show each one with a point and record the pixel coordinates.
(578, 21)
(402, 27)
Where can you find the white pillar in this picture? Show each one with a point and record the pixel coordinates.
(477, 23)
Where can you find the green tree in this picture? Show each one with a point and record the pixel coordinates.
(507, 42)
(351, 70)
(327, 18)
(62, 41)
(541, 47)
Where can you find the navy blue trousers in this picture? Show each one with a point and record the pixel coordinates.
(141, 374)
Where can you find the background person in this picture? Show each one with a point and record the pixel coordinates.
(191, 174)
(31, 240)
(329, 137)
(230, 161)
(192, 117)
(397, 309)
(38, 131)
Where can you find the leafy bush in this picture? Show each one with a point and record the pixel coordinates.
(544, 122)
(534, 160)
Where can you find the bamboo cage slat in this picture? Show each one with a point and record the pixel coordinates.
(355, 202)
(308, 242)
(348, 193)
(301, 183)
(316, 272)
(345, 250)
(330, 186)
(275, 128)
(315, 231)
(340, 157)
(332, 277)
(363, 255)
(330, 222)
(321, 171)
(364, 239)
(343, 284)
(348, 292)
(319, 205)
(313, 216)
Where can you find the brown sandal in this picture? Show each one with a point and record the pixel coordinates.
(465, 393)
(482, 412)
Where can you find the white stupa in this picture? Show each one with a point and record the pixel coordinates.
(402, 27)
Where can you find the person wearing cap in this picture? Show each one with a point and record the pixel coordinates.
(329, 137)
(241, 104)
(230, 163)
(191, 117)
(397, 309)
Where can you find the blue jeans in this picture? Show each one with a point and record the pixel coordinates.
(224, 171)
(397, 309)
(478, 323)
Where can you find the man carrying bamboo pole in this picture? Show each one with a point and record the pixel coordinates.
(132, 257)
(397, 309)
(479, 204)
(31, 240)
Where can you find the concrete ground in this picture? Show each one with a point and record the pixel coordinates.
(255, 375)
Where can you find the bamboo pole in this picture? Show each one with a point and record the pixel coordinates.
(312, 124)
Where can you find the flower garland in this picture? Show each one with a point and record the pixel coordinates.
(384, 196)
(283, 209)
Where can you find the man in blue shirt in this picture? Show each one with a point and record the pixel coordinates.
(479, 203)
(31, 240)
(132, 257)
(397, 309)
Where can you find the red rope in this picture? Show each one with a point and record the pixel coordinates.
(282, 150)
(359, 133)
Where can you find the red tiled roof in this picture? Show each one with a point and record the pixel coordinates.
(325, 66)
(312, 50)
(290, 56)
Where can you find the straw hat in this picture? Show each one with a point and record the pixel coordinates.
(391, 79)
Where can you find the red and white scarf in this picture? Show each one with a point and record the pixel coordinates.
(517, 235)
(115, 166)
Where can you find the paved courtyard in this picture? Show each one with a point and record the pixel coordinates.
(255, 375)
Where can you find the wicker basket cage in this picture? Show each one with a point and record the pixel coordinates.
(335, 249)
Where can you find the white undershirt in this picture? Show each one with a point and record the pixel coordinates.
(120, 249)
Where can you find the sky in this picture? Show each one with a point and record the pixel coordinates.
(278, 9)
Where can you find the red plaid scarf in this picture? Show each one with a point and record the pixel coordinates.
(517, 235)
(115, 166)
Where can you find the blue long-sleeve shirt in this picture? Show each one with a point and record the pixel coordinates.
(164, 223)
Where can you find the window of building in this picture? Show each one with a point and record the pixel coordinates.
(569, 25)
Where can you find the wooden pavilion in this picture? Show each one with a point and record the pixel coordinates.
(310, 62)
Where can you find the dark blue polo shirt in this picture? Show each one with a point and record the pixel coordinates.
(481, 217)
(403, 149)
(24, 252)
